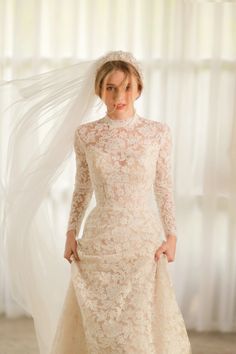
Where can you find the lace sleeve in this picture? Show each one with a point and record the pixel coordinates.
(82, 187)
(163, 184)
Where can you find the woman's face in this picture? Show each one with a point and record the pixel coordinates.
(119, 95)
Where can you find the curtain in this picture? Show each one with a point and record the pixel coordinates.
(188, 52)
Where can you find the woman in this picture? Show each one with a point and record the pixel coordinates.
(120, 298)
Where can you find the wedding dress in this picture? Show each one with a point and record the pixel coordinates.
(119, 299)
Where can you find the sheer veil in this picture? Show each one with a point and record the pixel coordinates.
(52, 105)
(43, 112)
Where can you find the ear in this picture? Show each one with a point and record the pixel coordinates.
(138, 95)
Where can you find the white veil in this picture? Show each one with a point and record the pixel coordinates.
(52, 104)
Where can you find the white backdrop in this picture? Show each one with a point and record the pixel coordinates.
(188, 51)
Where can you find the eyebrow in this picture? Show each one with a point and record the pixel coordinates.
(110, 84)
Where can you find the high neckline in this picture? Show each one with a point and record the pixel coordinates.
(123, 122)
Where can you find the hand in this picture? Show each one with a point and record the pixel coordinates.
(168, 247)
(71, 246)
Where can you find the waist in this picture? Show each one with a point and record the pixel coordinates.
(116, 211)
(127, 205)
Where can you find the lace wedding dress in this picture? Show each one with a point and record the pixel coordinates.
(120, 300)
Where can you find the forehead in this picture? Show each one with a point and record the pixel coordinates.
(117, 76)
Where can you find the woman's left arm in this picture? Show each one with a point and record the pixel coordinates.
(164, 194)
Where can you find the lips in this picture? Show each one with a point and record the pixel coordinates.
(119, 106)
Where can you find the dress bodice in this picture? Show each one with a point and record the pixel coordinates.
(122, 162)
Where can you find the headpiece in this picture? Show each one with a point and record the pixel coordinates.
(120, 55)
(42, 112)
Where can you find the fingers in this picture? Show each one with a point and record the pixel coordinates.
(162, 249)
(71, 250)
(75, 251)
(167, 250)
(68, 258)
(72, 257)
(75, 254)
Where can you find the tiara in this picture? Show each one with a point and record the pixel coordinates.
(120, 55)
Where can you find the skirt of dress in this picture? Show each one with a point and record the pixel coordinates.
(120, 300)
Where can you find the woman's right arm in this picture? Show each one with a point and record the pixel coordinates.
(82, 194)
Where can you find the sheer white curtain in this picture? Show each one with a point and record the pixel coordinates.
(188, 51)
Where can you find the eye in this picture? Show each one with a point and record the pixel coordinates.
(109, 88)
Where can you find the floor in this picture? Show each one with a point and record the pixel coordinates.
(17, 337)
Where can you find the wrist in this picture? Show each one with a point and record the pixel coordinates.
(171, 237)
(71, 233)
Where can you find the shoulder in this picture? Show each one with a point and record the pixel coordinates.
(86, 128)
(157, 126)
(87, 131)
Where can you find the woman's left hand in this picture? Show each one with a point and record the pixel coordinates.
(167, 247)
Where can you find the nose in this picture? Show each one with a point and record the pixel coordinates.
(119, 94)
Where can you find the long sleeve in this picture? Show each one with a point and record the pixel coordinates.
(83, 189)
(163, 184)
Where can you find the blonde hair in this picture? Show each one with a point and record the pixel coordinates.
(127, 68)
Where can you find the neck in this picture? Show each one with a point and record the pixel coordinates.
(121, 122)
(121, 115)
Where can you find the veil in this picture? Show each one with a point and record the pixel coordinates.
(43, 112)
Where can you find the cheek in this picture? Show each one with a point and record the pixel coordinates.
(108, 97)
(130, 96)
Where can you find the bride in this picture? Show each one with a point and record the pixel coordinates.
(120, 297)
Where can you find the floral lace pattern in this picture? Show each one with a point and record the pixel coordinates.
(123, 299)
(122, 166)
